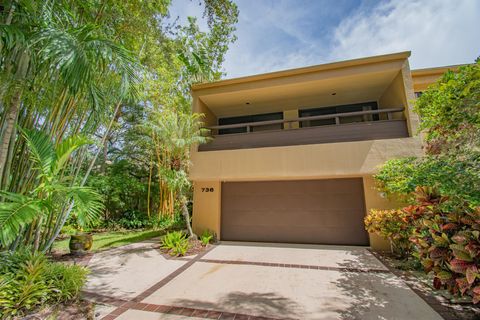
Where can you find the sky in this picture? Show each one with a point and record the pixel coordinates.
(277, 35)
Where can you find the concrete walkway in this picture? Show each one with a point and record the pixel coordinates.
(251, 281)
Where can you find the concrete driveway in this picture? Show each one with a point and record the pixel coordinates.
(253, 281)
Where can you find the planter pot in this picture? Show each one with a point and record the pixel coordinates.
(80, 243)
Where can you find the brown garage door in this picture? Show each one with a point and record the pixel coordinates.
(305, 211)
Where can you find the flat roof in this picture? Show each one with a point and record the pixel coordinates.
(304, 70)
(435, 70)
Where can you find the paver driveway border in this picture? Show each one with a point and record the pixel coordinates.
(121, 305)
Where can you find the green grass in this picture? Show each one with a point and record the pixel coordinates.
(105, 240)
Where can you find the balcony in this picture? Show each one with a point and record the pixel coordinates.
(348, 126)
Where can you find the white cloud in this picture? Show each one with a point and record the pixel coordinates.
(282, 34)
(437, 32)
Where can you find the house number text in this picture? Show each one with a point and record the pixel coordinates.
(208, 189)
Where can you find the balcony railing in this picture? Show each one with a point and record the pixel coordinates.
(386, 127)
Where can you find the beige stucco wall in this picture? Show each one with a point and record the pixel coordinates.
(306, 161)
(400, 94)
(206, 206)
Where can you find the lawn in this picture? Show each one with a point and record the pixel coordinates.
(105, 240)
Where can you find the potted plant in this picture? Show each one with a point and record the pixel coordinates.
(80, 243)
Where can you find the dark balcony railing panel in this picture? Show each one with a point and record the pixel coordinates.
(360, 131)
(389, 127)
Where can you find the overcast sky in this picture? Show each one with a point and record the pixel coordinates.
(283, 34)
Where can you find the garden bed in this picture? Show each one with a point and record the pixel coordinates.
(448, 306)
(195, 247)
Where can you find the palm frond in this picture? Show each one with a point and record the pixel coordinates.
(11, 36)
(66, 148)
(88, 205)
(41, 149)
(79, 53)
(17, 212)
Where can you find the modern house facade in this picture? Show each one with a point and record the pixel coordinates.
(293, 153)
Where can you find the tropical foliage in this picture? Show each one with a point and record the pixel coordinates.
(447, 243)
(450, 122)
(36, 213)
(394, 225)
(207, 237)
(442, 221)
(28, 281)
(79, 80)
(176, 242)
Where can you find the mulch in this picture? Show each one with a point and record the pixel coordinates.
(75, 310)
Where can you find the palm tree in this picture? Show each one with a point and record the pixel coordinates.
(175, 132)
(35, 217)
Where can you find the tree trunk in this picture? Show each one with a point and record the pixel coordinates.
(11, 118)
(36, 242)
(186, 215)
(4, 178)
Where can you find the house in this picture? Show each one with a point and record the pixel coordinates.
(293, 153)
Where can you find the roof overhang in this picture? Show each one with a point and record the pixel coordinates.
(331, 84)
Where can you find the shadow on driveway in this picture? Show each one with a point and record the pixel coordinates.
(254, 303)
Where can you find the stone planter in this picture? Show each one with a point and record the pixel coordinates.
(80, 243)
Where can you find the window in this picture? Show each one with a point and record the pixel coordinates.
(338, 109)
(251, 118)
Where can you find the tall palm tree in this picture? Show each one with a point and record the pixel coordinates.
(176, 132)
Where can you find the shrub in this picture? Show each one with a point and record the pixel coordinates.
(447, 243)
(176, 242)
(180, 248)
(67, 280)
(29, 281)
(393, 225)
(134, 220)
(206, 237)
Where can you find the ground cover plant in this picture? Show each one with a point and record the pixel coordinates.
(176, 243)
(29, 281)
(207, 237)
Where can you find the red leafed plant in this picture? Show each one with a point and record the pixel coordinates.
(447, 242)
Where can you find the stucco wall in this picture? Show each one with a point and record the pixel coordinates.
(306, 161)
(207, 197)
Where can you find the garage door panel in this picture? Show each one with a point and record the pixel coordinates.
(307, 211)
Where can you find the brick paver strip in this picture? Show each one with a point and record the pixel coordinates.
(297, 266)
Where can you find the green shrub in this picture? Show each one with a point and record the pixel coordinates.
(176, 242)
(393, 225)
(180, 248)
(447, 243)
(29, 281)
(206, 237)
(67, 280)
